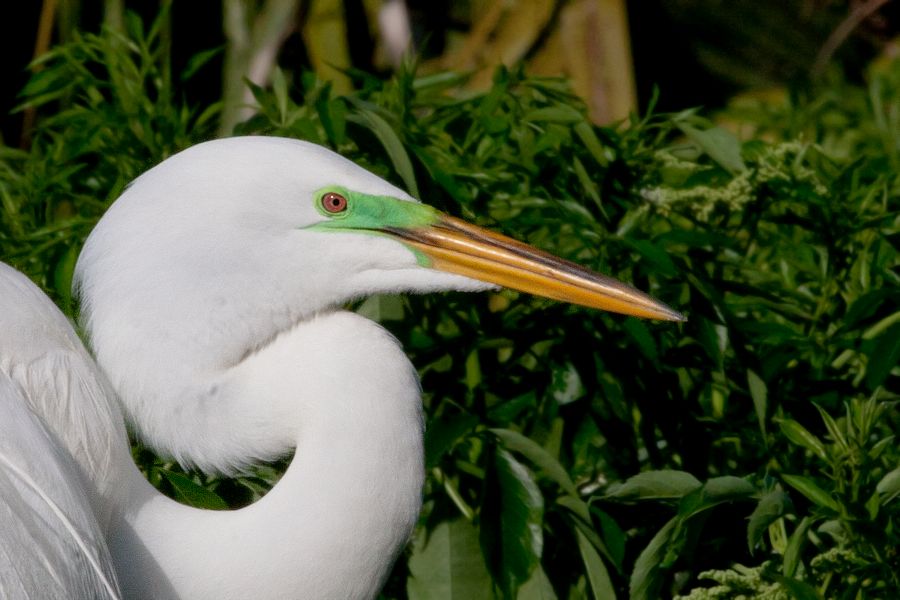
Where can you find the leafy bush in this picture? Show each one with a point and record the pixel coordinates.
(567, 450)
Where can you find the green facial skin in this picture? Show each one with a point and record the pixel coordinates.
(375, 215)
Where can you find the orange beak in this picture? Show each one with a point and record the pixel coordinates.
(458, 247)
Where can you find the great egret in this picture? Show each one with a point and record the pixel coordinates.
(211, 292)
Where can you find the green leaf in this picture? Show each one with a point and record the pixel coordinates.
(259, 94)
(799, 590)
(43, 86)
(391, 142)
(836, 434)
(881, 326)
(588, 184)
(613, 538)
(542, 459)
(280, 89)
(448, 564)
(799, 435)
(715, 491)
(443, 433)
(189, 492)
(510, 410)
(884, 356)
(646, 578)
(709, 338)
(655, 485)
(759, 393)
(598, 576)
(473, 370)
(436, 171)
(641, 335)
(721, 146)
(511, 522)
(199, 60)
(771, 507)
(727, 488)
(873, 506)
(880, 446)
(333, 114)
(889, 486)
(866, 306)
(659, 259)
(62, 278)
(836, 530)
(795, 548)
(538, 587)
(811, 490)
(585, 132)
(581, 521)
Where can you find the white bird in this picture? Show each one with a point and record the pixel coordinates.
(211, 294)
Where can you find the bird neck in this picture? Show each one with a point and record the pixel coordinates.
(336, 520)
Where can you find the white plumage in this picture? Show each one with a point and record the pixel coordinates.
(48, 519)
(211, 292)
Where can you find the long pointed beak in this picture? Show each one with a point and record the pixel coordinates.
(459, 247)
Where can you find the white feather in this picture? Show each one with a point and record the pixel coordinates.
(51, 545)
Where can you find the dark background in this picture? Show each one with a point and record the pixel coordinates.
(692, 51)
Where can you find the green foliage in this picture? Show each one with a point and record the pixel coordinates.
(108, 113)
(572, 452)
(852, 494)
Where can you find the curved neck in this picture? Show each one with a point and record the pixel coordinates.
(347, 504)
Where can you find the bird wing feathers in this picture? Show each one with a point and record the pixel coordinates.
(60, 382)
(59, 428)
(51, 545)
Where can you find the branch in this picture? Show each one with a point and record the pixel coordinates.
(252, 45)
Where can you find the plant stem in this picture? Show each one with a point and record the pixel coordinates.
(859, 14)
(252, 45)
(41, 44)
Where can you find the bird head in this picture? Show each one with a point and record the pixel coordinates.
(257, 233)
(210, 258)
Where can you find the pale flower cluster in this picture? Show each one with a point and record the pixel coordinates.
(738, 583)
(779, 164)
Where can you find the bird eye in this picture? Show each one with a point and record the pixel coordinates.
(334, 203)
